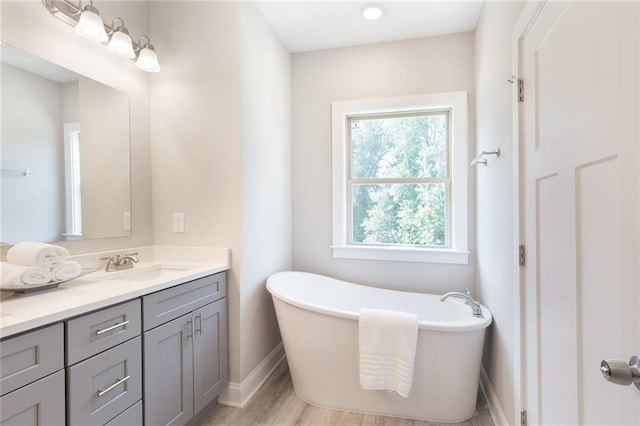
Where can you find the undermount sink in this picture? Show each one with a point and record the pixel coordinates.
(148, 273)
(143, 273)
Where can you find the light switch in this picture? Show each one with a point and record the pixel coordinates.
(178, 222)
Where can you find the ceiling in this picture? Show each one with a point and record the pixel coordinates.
(305, 25)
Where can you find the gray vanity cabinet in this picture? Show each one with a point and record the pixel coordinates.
(31, 378)
(185, 358)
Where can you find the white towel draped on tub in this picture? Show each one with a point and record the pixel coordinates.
(19, 275)
(66, 270)
(36, 254)
(387, 341)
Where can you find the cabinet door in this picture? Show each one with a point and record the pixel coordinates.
(38, 404)
(168, 373)
(210, 358)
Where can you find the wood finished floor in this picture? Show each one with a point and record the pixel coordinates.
(276, 404)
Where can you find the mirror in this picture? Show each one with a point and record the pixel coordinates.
(64, 153)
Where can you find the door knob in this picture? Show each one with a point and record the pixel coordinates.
(620, 372)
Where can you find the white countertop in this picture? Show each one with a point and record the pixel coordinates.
(159, 268)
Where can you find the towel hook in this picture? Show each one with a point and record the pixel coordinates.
(482, 157)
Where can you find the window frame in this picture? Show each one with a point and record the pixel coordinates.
(457, 207)
(351, 181)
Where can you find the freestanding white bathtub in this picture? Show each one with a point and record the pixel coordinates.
(318, 319)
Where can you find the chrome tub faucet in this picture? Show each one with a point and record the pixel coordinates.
(475, 306)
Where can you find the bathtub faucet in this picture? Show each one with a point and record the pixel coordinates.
(475, 306)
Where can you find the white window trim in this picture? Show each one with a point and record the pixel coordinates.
(73, 216)
(457, 103)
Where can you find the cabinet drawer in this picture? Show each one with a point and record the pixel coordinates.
(131, 417)
(29, 357)
(93, 333)
(40, 403)
(174, 302)
(102, 387)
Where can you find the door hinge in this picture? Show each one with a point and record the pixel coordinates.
(523, 417)
(520, 90)
(522, 256)
(520, 82)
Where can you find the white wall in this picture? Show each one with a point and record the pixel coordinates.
(28, 25)
(265, 189)
(428, 65)
(32, 138)
(221, 142)
(495, 240)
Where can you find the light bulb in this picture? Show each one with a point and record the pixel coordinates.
(120, 44)
(372, 11)
(90, 25)
(148, 60)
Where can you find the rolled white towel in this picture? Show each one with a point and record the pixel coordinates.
(66, 270)
(36, 254)
(20, 275)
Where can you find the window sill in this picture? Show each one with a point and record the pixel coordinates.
(402, 254)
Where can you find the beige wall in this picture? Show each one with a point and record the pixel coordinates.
(428, 65)
(29, 26)
(495, 239)
(195, 111)
(104, 159)
(221, 143)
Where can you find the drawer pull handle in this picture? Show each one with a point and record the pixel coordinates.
(191, 327)
(113, 327)
(119, 382)
(199, 316)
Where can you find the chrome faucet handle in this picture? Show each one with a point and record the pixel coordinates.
(111, 263)
(131, 257)
(468, 293)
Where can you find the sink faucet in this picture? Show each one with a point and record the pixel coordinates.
(475, 306)
(118, 263)
(126, 261)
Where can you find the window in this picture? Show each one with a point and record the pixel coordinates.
(399, 178)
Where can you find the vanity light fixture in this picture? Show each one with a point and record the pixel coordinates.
(88, 24)
(372, 11)
(147, 58)
(120, 43)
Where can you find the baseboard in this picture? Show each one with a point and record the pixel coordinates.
(497, 414)
(239, 394)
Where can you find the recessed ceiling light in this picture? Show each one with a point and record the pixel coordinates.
(372, 11)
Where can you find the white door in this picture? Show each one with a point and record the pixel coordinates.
(580, 132)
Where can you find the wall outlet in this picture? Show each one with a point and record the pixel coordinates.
(126, 221)
(178, 222)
